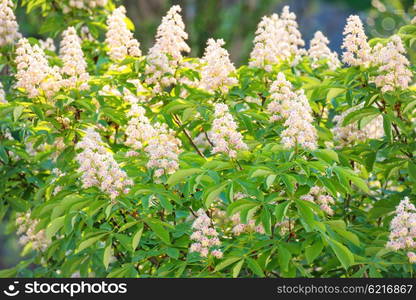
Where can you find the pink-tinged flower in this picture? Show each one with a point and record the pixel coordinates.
(224, 134)
(27, 228)
(2, 94)
(403, 228)
(98, 166)
(74, 65)
(277, 40)
(357, 51)
(217, 253)
(34, 74)
(9, 29)
(166, 54)
(205, 235)
(393, 66)
(412, 257)
(320, 53)
(119, 38)
(217, 69)
(294, 109)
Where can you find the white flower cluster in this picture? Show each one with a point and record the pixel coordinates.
(403, 229)
(294, 109)
(74, 65)
(159, 142)
(163, 151)
(267, 43)
(392, 66)
(320, 53)
(84, 4)
(217, 68)
(347, 135)
(294, 37)
(277, 39)
(47, 44)
(358, 51)
(205, 236)
(317, 195)
(33, 71)
(119, 38)
(28, 233)
(166, 54)
(9, 29)
(224, 134)
(98, 167)
(2, 94)
(240, 228)
(139, 130)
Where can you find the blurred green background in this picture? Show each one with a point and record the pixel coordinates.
(235, 21)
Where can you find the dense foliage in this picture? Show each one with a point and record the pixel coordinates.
(120, 164)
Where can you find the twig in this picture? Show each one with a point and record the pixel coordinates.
(188, 136)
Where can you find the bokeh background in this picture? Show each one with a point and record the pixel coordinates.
(235, 21)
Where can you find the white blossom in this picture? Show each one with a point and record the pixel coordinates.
(26, 228)
(84, 4)
(317, 195)
(277, 40)
(34, 74)
(9, 29)
(166, 54)
(217, 68)
(320, 53)
(119, 38)
(205, 236)
(2, 94)
(98, 167)
(47, 44)
(224, 134)
(294, 109)
(392, 66)
(403, 229)
(74, 65)
(357, 51)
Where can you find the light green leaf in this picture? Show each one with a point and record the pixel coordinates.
(137, 236)
(180, 175)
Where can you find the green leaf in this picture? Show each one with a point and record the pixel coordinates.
(284, 257)
(87, 243)
(289, 181)
(225, 263)
(107, 256)
(333, 93)
(266, 220)
(159, 230)
(313, 251)
(237, 268)
(240, 205)
(280, 211)
(137, 236)
(306, 215)
(359, 114)
(255, 267)
(180, 175)
(17, 112)
(411, 167)
(212, 193)
(54, 226)
(343, 254)
(327, 155)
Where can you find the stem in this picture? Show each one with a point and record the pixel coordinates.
(176, 118)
